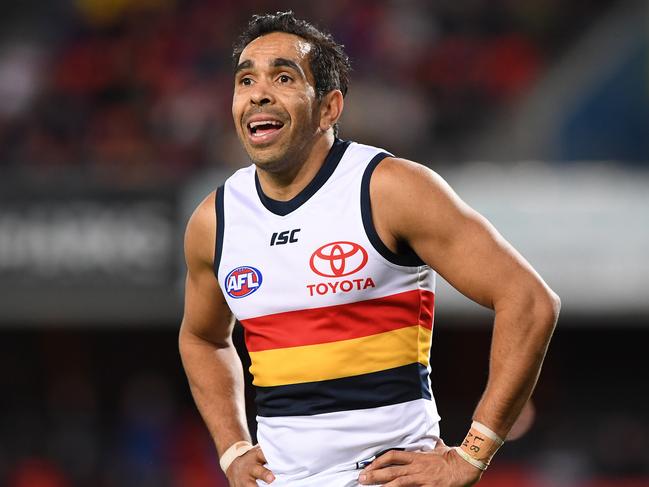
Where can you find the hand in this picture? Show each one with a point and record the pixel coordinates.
(442, 467)
(246, 469)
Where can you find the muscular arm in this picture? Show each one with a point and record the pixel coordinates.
(210, 360)
(412, 204)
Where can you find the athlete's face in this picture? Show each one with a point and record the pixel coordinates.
(275, 109)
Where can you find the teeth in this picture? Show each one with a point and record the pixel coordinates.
(252, 125)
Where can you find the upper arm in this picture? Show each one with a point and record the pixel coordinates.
(413, 204)
(206, 312)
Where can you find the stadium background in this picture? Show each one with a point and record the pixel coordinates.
(114, 122)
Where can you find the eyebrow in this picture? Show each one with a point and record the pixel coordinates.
(276, 63)
(280, 61)
(243, 65)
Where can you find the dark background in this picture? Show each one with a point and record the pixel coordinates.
(112, 407)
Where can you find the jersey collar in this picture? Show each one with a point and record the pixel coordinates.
(283, 208)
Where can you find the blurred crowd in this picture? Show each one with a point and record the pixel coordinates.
(137, 93)
(94, 411)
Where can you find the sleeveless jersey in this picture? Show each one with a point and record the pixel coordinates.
(337, 326)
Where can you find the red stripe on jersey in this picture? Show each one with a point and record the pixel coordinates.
(340, 322)
(426, 309)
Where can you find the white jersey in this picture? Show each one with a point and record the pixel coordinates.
(337, 326)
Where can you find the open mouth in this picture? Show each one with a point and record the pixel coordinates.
(262, 128)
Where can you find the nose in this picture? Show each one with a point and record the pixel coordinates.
(261, 95)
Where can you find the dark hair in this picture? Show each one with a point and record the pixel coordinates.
(328, 62)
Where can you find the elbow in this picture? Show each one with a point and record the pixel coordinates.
(190, 336)
(554, 304)
(187, 340)
(182, 339)
(546, 307)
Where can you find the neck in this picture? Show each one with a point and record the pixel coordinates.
(296, 175)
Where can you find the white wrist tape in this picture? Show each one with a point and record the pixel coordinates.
(487, 432)
(234, 452)
(479, 445)
(468, 458)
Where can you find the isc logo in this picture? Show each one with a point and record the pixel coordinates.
(242, 281)
(282, 238)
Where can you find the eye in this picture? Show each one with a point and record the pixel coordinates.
(284, 78)
(245, 81)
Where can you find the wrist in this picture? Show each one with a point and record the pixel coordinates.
(467, 459)
(233, 452)
(479, 446)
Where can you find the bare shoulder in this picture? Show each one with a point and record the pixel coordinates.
(398, 166)
(200, 234)
(206, 313)
(410, 181)
(412, 203)
(404, 192)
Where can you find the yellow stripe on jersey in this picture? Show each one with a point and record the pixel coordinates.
(340, 359)
(424, 339)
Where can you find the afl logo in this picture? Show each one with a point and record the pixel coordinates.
(338, 259)
(243, 281)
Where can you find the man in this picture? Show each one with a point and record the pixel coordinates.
(325, 251)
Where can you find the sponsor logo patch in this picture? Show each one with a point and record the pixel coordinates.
(344, 286)
(338, 259)
(243, 281)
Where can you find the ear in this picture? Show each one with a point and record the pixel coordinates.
(331, 108)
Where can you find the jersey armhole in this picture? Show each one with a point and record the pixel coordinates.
(220, 225)
(408, 257)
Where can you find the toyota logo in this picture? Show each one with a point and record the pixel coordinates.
(338, 259)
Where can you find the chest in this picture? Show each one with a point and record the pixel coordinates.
(317, 257)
